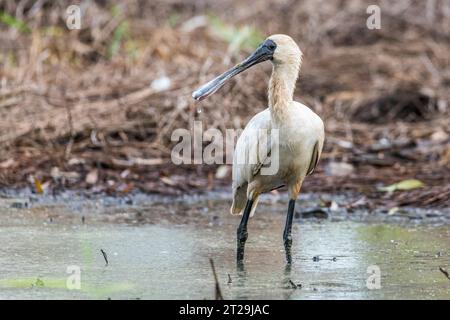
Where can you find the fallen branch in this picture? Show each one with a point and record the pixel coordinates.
(217, 285)
(445, 272)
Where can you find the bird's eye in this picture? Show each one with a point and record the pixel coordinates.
(270, 45)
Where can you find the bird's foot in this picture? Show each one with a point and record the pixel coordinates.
(288, 257)
(242, 236)
(287, 239)
(287, 248)
(240, 255)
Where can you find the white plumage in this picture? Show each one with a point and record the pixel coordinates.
(297, 137)
(286, 131)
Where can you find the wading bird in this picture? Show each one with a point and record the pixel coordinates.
(300, 136)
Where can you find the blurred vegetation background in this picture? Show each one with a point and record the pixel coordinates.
(95, 108)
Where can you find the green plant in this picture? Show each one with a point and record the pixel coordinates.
(13, 22)
(238, 37)
(119, 34)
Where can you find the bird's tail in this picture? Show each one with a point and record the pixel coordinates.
(239, 201)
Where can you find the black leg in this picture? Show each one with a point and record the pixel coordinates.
(242, 233)
(287, 237)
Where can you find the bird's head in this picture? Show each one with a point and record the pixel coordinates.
(286, 50)
(279, 48)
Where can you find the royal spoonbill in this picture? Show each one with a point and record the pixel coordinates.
(297, 145)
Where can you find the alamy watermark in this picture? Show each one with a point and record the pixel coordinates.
(261, 150)
(373, 282)
(259, 147)
(73, 17)
(73, 281)
(374, 20)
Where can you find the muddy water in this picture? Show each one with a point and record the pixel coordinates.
(168, 258)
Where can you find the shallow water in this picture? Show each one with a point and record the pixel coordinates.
(170, 259)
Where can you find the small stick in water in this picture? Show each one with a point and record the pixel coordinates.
(445, 272)
(218, 291)
(295, 286)
(104, 256)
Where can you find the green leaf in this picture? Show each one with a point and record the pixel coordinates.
(13, 22)
(91, 290)
(242, 37)
(404, 185)
(99, 292)
(173, 19)
(25, 283)
(120, 32)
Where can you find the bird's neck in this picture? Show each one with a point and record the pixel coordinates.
(281, 90)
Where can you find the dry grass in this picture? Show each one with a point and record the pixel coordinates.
(69, 101)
